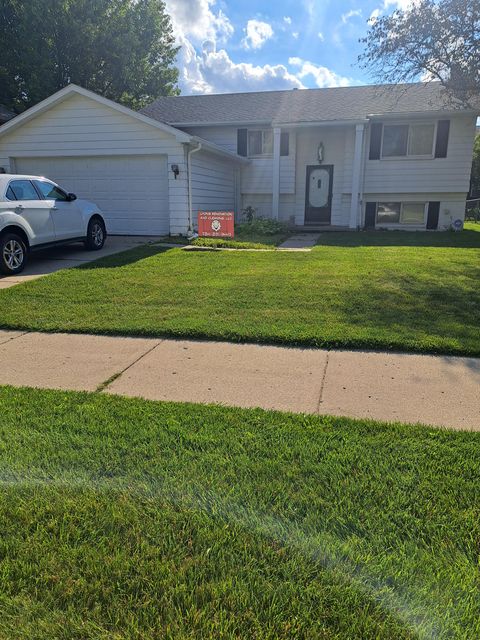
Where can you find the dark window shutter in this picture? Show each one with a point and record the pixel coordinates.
(284, 142)
(370, 215)
(441, 145)
(242, 142)
(375, 140)
(432, 216)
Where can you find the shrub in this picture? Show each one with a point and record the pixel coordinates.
(263, 227)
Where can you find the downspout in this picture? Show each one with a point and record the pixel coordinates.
(361, 222)
(189, 166)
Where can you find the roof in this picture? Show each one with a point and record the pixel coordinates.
(301, 105)
(5, 114)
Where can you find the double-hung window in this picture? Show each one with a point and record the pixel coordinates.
(260, 142)
(402, 140)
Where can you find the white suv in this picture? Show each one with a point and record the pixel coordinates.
(36, 213)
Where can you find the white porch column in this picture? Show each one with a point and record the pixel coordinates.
(356, 173)
(276, 172)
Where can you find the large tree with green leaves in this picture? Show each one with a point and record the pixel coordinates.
(122, 49)
(433, 40)
(475, 176)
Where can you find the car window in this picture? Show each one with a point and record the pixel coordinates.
(23, 190)
(50, 191)
(10, 195)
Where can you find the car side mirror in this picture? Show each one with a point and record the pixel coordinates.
(71, 197)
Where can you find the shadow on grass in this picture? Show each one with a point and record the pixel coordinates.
(128, 257)
(466, 239)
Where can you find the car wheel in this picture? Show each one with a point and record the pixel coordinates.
(96, 234)
(13, 254)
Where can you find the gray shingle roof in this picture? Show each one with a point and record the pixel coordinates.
(5, 114)
(303, 105)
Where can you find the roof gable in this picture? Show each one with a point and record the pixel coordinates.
(71, 90)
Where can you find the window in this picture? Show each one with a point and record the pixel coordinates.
(408, 140)
(23, 190)
(260, 142)
(420, 139)
(413, 213)
(401, 213)
(395, 139)
(388, 212)
(50, 191)
(10, 195)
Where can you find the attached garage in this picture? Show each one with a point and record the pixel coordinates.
(132, 166)
(131, 191)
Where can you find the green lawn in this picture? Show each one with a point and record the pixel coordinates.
(123, 518)
(406, 291)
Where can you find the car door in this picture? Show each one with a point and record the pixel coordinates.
(66, 214)
(26, 202)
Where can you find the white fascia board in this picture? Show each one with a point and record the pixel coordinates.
(422, 114)
(71, 89)
(253, 123)
(213, 148)
(319, 123)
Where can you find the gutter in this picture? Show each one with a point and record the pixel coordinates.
(189, 171)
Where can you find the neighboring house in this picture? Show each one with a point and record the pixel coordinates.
(395, 156)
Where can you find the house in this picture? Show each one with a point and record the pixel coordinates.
(391, 156)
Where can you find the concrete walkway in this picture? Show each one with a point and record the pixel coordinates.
(46, 261)
(442, 391)
(300, 241)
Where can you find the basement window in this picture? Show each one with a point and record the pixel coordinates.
(405, 213)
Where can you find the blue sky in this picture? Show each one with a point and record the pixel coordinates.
(259, 45)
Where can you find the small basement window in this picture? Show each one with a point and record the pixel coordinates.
(260, 142)
(401, 213)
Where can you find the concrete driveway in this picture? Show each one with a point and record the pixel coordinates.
(41, 263)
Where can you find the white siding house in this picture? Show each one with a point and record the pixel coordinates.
(376, 157)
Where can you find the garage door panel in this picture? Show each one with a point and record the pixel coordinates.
(131, 191)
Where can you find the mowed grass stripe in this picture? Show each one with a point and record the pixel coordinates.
(123, 518)
(356, 290)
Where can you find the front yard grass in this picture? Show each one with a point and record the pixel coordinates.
(409, 292)
(122, 518)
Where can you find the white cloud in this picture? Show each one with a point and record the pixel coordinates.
(287, 19)
(321, 36)
(353, 13)
(206, 67)
(214, 71)
(323, 76)
(197, 20)
(257, 33)
(403, 5)
(295, 34)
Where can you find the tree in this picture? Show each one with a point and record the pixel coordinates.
(122, 49)
(432, 40)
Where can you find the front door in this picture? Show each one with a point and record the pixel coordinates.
(318, 197)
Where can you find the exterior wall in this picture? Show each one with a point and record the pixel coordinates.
(225, 137)
(338, 143)
(452, 207)
(80, 126)
(440, 175)
(213, 184)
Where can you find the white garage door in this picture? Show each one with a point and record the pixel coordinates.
(131, 191)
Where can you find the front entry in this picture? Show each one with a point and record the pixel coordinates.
(318, 196)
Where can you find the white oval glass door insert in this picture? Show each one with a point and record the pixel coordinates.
(319, 188)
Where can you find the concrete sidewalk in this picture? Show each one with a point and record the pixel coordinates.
(436, 390)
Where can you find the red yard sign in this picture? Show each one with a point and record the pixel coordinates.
(216, 224)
